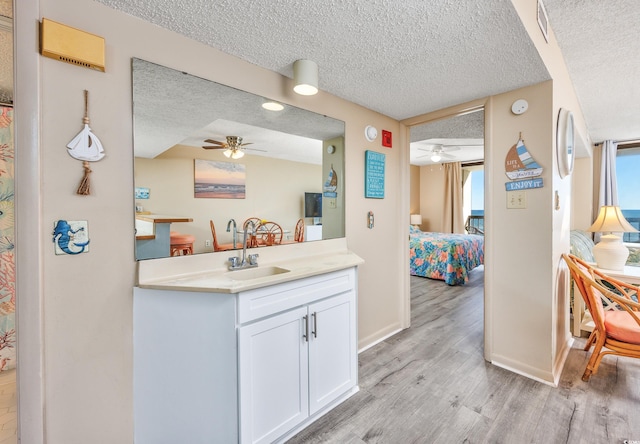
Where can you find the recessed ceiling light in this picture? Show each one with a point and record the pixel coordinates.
(273, 106)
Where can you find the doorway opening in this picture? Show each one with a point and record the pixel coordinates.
(447, 187)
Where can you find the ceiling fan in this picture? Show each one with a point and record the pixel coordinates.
(234, 148)
(439, 152)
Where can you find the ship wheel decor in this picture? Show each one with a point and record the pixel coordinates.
(85, 147)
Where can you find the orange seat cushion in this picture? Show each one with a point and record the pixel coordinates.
(621, 326)
(181, 239)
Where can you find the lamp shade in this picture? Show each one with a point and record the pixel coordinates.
(305, 76)
(611, 220)
(416, 219)
(610, 253)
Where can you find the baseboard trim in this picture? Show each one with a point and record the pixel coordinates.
(562, 359)
(385, 334)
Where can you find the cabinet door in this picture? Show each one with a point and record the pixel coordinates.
(273, 376)
(333, 358)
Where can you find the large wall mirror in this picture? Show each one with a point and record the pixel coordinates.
(191, 168)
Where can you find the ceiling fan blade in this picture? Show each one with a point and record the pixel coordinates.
(255, 149)
(214, 142)
(214, 147)
(245, 144)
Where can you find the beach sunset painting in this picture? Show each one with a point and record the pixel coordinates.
(221, 180)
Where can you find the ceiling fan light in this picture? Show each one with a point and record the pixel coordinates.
(436, 158)
(237, 154)
(227, 153)
(305, 77)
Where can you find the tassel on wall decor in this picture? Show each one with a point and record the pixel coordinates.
(86, 147)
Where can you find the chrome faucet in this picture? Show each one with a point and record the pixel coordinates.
(235, 231)
(246, 261)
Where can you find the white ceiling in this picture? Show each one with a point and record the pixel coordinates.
(407, 57)
(398, 57)
(460, 137)
(601, 46)
(291, 133)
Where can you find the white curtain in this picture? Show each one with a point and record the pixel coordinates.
(608, 184)
(608, 194)
(452, 216)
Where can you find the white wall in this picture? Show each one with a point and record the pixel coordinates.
(581, 196)
(432, 197)
(83, 304)
(519, 241)
(76, 325)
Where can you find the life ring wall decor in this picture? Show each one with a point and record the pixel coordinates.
(565, 142)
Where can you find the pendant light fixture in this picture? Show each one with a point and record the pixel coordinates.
(305, 77)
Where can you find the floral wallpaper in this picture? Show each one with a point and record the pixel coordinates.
(7, 256)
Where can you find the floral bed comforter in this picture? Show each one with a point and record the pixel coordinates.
(448, 257)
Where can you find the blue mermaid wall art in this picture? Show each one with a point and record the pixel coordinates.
(70, 237)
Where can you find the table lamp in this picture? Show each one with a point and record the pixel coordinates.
(416, 220)
(610, 253)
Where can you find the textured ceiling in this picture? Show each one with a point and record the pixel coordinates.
(292, 133)
(398, 57)
(601, 47)
(403, 58)
(462, 137)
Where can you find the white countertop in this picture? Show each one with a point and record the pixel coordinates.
(629, 274)
(209, 273)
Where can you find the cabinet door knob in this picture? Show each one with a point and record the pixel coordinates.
(306, 328)
(315, 324)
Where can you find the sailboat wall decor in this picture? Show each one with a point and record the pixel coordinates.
(85, 146)
(519, 164)
(331, 185)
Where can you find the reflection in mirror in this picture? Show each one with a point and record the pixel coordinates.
(206, 152)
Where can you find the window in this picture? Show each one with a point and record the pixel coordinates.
(473, 198)
(627, 167)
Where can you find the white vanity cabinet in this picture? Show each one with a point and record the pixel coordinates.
(294, 364)
(251, 367)
(297, 353)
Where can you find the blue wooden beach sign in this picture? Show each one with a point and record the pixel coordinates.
(524, 184)
(374, 174)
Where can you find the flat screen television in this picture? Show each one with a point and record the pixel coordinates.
(312, 204)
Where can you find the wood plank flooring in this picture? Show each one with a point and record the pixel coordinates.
(430, 384)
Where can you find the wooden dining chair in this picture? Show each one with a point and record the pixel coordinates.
(616, 331)
(256, 222)
(216, 245)
(298, 234)
(269, 233)
(253, 240)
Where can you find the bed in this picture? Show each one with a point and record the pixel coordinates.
(447, 257)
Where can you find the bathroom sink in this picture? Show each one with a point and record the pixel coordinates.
(254, 273)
